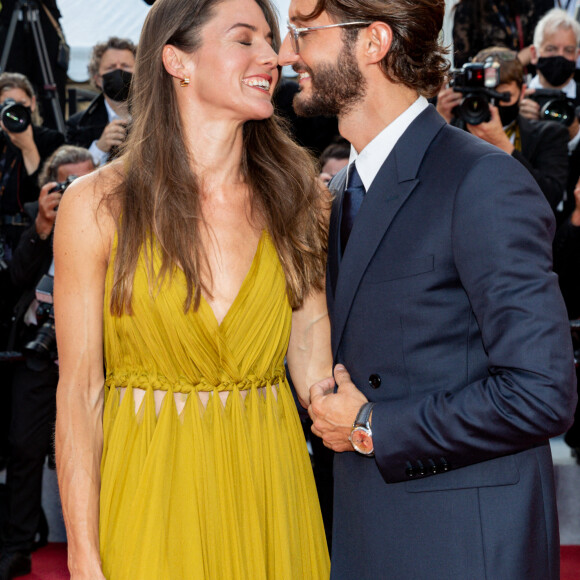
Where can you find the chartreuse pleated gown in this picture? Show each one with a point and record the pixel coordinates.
(193, 487)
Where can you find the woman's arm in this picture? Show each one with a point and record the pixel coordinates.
(81, 250)
(309, 354)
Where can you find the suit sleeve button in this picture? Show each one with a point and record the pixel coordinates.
(375, 381)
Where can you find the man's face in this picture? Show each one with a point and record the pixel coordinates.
(329, 77)
(112, 59)
(79, 169)
(559, 42)
(513, 89)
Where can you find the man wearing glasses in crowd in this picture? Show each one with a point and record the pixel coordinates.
(454, 362)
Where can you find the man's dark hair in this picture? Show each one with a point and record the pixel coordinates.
(340, 149)
(416, 57)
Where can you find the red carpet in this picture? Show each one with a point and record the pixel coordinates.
(49, 563)
(570, 562)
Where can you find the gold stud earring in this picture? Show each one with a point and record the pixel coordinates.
(184, 82)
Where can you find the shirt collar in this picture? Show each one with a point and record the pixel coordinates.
(372, 157)
(111, 113)
(569, 88)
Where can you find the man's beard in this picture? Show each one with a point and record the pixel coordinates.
(334, 89)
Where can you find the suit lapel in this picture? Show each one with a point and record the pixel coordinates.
(393, 184)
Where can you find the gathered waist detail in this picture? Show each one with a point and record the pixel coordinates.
(144, 380)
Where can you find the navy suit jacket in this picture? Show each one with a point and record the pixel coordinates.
(446, 312)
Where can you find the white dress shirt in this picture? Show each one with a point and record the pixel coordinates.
(99, 156)
(372, 157)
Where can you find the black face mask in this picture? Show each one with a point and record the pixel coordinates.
(556, 69)
(508, 113)
(116, 84)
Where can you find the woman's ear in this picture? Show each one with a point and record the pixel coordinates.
(377, 41)
(173, 61)
(33, 104)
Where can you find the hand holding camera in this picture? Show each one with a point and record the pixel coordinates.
(548, 105)
(48, 201)
(113, 135)
(492, 131)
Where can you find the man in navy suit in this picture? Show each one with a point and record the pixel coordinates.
(444, 309)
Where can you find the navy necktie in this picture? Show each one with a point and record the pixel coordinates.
(351, 202)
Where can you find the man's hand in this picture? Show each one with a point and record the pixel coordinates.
(492, 131)
(332, 413)
(447, 100)
(47, 205)
(113, 135)
(528, 107)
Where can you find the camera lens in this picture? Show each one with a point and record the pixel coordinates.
(15, 117)
(558, 110)
(474, 109)
(44, 345)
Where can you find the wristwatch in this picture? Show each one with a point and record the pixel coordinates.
(361, 435)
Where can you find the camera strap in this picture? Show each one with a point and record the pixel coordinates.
(5, 172)
(513, 133)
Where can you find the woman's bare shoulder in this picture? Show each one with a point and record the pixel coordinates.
(89, 207)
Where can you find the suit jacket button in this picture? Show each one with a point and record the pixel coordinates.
(375, 381)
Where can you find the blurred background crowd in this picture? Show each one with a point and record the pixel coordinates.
(514, 82)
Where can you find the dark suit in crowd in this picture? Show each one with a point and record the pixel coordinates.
(545, 154)
(446, 313)
(33, 408)
(87, 126)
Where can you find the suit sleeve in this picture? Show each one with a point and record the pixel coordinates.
(549, 165)
(30, 258)
(501, 239)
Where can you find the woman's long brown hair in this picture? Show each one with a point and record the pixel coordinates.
(158, 198)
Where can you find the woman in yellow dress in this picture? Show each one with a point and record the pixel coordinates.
(185, 272)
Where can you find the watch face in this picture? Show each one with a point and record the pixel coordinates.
(362, 441)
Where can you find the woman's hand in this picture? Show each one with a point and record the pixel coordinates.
(25, 142)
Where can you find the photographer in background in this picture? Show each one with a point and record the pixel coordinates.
(567, 266)
(333, 159)
(102, 127)
(24, 145)
(539, 146)
(34, 379)
(554, 52)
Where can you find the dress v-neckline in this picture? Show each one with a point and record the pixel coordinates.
(245, 281)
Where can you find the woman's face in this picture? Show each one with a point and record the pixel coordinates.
(19, 96)
(234, 71)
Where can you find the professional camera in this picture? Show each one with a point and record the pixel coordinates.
(44, 344)
(554, 106)
(61, 186)
(15, 117)
(477, 82)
